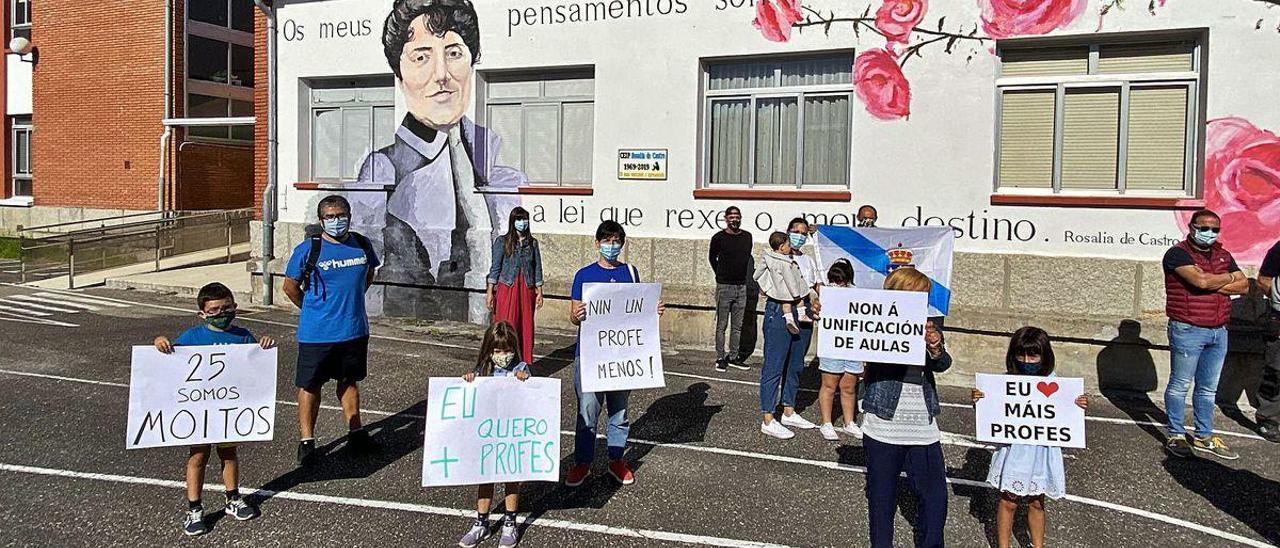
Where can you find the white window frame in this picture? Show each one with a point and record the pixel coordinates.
(1192, 80)
(799, 93)
(541, 78)
(215, 89)
(313, 107)
(20, 126)
(13, 16)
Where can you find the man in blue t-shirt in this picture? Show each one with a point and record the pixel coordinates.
(333, 327)
(610, 238)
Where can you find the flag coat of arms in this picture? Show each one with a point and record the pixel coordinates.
(875, 252)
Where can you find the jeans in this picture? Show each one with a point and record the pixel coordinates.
(589, 407)
(731, 302)
(1194, 353)
(927, 476)
(1269, 389)
(783, 355)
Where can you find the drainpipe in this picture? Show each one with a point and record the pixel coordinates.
(168, 103)
(269, 194)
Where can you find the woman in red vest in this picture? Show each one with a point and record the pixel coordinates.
(1199, 278)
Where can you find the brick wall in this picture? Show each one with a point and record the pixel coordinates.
(260, 99)
(99, 98)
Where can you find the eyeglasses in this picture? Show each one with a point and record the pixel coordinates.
(1213, 229)
(332, 216)
(220, 310)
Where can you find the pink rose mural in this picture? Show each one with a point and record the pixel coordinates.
(881, 86)
(1242, 184)
(775, 18)
(1006, 18)
(897, 18)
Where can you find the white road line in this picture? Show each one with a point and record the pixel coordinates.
(829, 465)
(1108, 420)
(81, 299)
(14, 307)
(648, 534)
(9, 317)
(29, 304)
(58, 302)
(46, 304)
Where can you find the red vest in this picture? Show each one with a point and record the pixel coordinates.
(1190, 304)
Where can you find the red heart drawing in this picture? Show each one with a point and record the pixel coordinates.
(1047, 388)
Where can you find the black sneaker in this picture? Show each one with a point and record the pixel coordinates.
(306, 452)
(360, 442)
(193, 523)
(738, 363)
(1178, 446)
(1269, 431)
(722, 366)
(241, 510)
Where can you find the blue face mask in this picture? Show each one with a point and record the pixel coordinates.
(522, 225)
(336, 227)
(610, 251)
(1204, 238)
(1027, 368)
(798, 240)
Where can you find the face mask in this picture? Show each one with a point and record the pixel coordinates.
(735, 224)
(221, 321)
(1204, 237)
(611, 251)
(1027, 368)
(866, 223)
(502, 359)
(336, 227)
(798, 240)
(522, 225)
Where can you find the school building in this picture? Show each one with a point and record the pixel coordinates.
(97, 109)
(1066, 142)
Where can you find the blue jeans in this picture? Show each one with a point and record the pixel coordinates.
(1194, 353)
(589, 407)
(783, 354)
(926, 475)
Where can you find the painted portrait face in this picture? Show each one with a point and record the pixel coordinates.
(436, 76)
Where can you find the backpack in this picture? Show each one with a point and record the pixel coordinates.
(313, 254)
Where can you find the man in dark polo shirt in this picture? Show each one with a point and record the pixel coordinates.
(1200, 276)
(1269, 391)
(730, 258)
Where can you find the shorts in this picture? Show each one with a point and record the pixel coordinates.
(836, 367)
(345, 362)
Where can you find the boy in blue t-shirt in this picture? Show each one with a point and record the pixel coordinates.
(610, 238)
(218, 309)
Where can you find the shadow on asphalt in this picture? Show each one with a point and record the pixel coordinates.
(675, 418)
(397, 436)
(550, 364)
(1241, 494)
(1127, 373)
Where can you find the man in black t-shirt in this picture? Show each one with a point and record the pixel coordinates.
(730, 258)
(1269, 391)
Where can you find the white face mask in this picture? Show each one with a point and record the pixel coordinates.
(502, 359)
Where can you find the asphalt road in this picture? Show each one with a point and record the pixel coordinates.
(705, 474)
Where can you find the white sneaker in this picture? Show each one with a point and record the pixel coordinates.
(775, 429)
(794, 420)
(828, 432)
(852, 429)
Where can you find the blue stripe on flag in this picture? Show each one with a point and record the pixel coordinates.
(876, 258)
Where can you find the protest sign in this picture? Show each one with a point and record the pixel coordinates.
(873, 325)
(619, 344)
(201, 395)
(491, 430)
(1030, 410)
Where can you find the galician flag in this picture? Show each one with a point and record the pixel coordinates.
(875, 252)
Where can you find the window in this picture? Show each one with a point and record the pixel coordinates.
(21, 159)
(547, 125)
(778, 123)
(219, 60)
(20, 18)
(347, 123)
(1106, 119)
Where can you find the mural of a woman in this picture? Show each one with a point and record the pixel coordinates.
(514, 290)
(447, 193)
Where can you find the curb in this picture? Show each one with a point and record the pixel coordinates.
(179, 290)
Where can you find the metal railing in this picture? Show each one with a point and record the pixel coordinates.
(79, 247)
